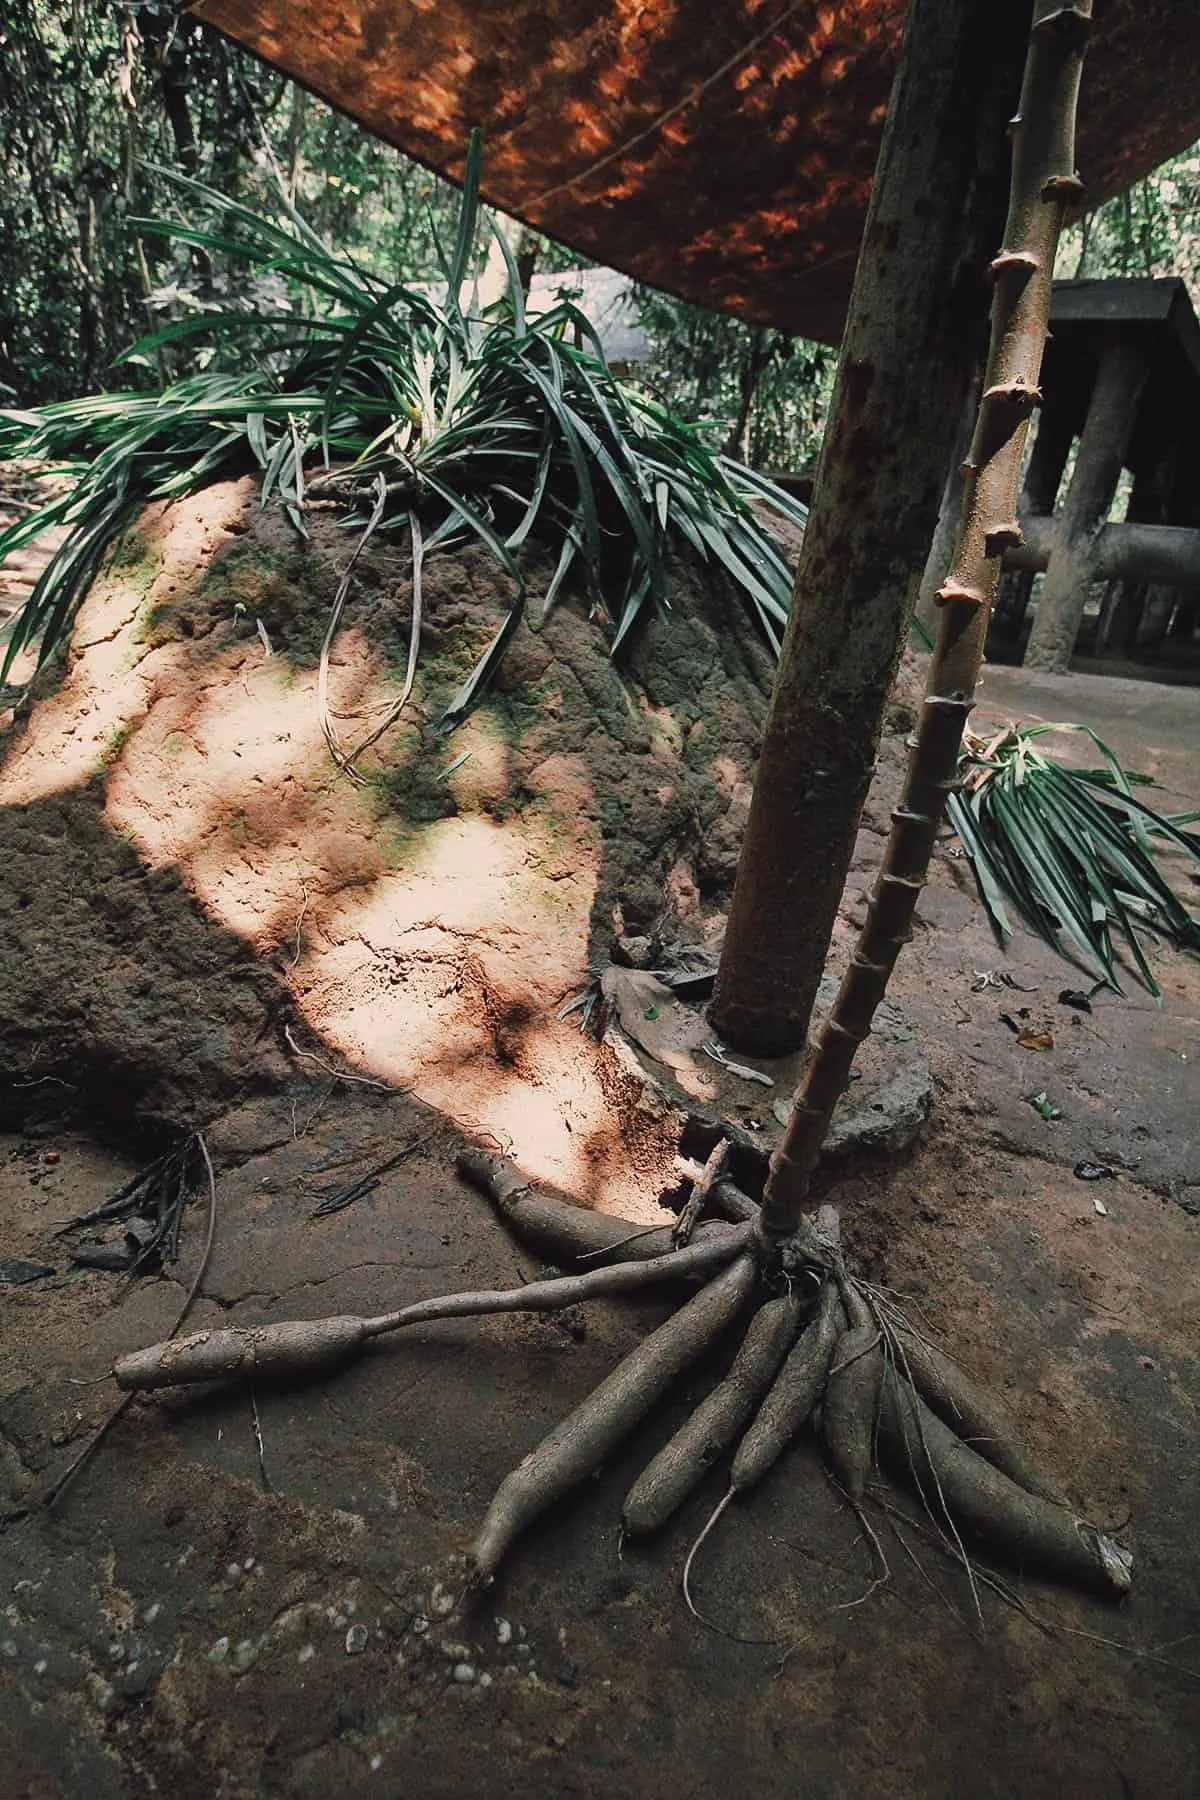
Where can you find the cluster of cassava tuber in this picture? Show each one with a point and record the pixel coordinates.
(819, 1338)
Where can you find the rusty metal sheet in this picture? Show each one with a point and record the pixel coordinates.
(721, 152)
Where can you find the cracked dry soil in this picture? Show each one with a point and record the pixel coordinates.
(251, 1595)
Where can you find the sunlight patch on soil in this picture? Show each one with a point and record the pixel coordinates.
(416, 950)
(76, 730)
(113, 675)
(213, 783)
(445, 977)
(429, 953)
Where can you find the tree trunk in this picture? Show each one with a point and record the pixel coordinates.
(1169, 554)
(525, 254)
(166, 52)
(913, 338)
(293, 151)
(749, 375)
(1085, 241)
(1156, 616)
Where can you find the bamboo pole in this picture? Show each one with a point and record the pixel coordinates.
(1043, 184)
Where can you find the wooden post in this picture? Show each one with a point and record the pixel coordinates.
(1149, 504)
(1185, 505)
(1164, 553)
(1156, 617)
(1048, 459)
(1120, 379)
(1183, 625)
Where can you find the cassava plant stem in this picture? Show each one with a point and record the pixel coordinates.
(1043, 184)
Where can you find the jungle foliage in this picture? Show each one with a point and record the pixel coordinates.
(765, 394)
(96, 100)
(407, 403)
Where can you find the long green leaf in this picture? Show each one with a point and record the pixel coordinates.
(473, 688)
(965, 823)
(472, 519)
(588, 514)
(571, 548)
(516, 292)
(467, 219)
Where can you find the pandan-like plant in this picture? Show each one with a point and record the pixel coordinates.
(423, 416)
(1071, 851)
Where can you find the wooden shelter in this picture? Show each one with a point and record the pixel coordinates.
(723, 153)
(1121, 380)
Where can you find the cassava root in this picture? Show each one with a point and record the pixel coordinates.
(681, 1464)
(792, 1395)
(303, 1347)
(557, 1229)
(777, 1377)
(850, 1406)
(974, 1415)
(589, 1434)
(854, 1354)
(958, 1486)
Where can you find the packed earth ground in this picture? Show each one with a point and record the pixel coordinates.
(207, 925)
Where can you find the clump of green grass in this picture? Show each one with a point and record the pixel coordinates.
(422, 415)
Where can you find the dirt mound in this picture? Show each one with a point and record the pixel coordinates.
(23, 487)
(194, 888)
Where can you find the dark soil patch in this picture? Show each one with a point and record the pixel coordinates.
(191, 896)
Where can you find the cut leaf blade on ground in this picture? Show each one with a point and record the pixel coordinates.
(1070, 851)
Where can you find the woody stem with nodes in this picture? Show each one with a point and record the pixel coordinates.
(1043, 183)
(815, 1334)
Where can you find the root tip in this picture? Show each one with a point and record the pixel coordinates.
(480, 1575)
(1116, 1560)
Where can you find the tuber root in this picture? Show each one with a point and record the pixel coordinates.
(977, 1417)
(290, 1348)
(850, 1406)
(295, 1347)
(557, 1229)
(709, 1431)
(793, 1394)
(581, 1441)
(964, 1487)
